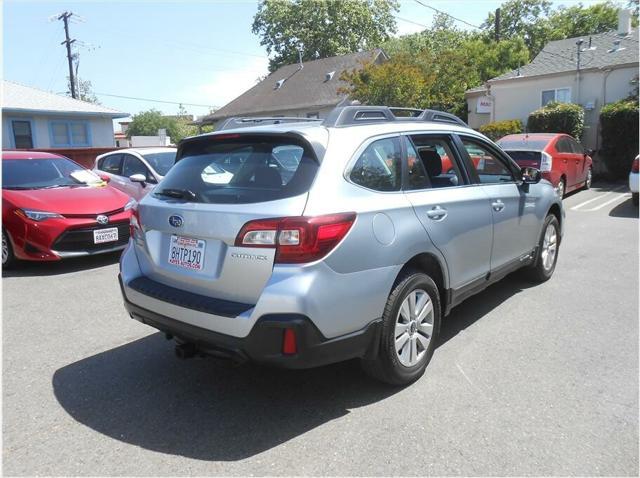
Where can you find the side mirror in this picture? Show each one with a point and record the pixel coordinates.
(589, 152)
(104, 177)
(138, 178)
(531, 175)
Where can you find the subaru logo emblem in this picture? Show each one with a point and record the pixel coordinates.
(176, 221)
(102, 219)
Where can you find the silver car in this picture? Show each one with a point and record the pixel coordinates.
(135, 171)
(349, 237)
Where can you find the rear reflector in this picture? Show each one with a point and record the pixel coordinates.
(297, 239)
(289, 346)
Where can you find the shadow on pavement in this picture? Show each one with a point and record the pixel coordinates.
(205, 409)
(213, 410)
(33, 269)
(625, 209)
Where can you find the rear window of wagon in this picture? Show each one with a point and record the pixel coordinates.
(241, 169)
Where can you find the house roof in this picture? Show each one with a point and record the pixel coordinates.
(560, 56)
(302, 88)
(20, 98)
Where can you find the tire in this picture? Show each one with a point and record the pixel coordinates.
(8, 258)
(587, 182)
(634, 198)
(562, 186)
(542, 268)
(403, 367)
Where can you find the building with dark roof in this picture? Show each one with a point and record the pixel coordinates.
(306, 90)
(592, 71)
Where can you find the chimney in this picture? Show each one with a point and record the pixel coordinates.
(624, 22)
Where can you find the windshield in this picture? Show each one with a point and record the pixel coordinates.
(161, 162)
(242, 169)
(45, 173)
(524, 143)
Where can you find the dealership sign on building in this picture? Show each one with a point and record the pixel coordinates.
(484, 104)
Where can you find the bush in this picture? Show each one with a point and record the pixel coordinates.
(619, 129)
(557, 118)
(498, 129)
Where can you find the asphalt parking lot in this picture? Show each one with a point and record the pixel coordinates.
(527, 380)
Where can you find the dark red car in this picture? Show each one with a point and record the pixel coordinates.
(53, 208)
(560, 158)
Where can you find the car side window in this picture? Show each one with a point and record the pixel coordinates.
(133, 165)
(563, 146)
(576, 148)
(379, 166)
(111, 164)
(435, 164)
(490, 167)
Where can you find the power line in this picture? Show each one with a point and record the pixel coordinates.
(155, 101)
(411, 21)
(448, 14)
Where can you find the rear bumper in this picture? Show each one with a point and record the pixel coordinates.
(264, 342)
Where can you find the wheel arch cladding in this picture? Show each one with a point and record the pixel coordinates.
(430, 265)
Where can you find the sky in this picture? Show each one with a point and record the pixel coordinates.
(199, 53)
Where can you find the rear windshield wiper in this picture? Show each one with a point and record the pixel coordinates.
(176, 193)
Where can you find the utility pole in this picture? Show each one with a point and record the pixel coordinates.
(497, 25)
(72, 83)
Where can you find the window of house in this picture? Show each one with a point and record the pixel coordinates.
(379, 166)
(561, 95)
(22, 134)
(69, 133)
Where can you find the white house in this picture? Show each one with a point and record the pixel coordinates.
(607, 72)
(32, 119)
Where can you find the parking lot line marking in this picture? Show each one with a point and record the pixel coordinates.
(578, 206)
(622, 196)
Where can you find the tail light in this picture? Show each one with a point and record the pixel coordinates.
(297, 239)
(135, 230)
(289, 345)
(635, 166)
(546, 162)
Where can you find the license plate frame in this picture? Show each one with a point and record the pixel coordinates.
(186, 252)
(102, 236)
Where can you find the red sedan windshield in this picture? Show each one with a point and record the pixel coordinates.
(44, 173)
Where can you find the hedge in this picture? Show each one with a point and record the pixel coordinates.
(619, 130)
(498, 129)
(557, 118)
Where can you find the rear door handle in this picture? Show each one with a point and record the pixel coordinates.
(437, 213)
(497, 205)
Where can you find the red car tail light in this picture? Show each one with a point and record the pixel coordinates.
(634, 166)
(297, 239)
(289, 345)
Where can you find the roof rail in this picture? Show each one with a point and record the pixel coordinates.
(233, 123)
(352, 115)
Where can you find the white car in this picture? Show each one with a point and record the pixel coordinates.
(135, 171)
(633, 180)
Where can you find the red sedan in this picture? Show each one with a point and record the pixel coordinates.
(561, 159)
(53, 208)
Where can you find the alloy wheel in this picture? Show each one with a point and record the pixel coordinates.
(5, 249)
(560, 189)
(549, 247)
(589, 178)
(414, 327)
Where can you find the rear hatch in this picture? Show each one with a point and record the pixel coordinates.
(189, 224)
(526, 159)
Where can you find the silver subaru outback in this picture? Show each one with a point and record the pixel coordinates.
(302, 243)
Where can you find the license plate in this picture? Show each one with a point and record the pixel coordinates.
(187, 252)
(105, 235)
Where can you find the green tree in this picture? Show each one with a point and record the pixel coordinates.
(321, 28)
(527, 19)
(147, 123)
(577, 20)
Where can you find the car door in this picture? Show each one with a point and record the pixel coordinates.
(567, 160)
(111, 166)
(579, 158)
(513, 209)
(130, 166)
(454, 214)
